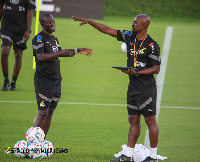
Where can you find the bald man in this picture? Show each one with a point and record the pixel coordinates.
(143, 54)
(47, 79)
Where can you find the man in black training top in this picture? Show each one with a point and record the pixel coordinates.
(47, 80)
(143, 53)
(15, 28)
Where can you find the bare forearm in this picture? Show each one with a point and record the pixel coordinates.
(51, 56)
(64, 53)
(103, 28)
(1, 11)
(152, 70)
(29, 19)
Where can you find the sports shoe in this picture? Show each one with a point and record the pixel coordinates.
(12, 86)
(149, 159)
(5, 87)
(123, 158)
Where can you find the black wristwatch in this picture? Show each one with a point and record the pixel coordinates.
(137, 73)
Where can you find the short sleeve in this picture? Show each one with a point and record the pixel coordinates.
(31, 5)
(2, 2)
(38, 45)
(154, 55)
(120, 36)
(124, 35)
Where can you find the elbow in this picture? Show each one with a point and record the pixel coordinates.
(157, 70)
(40, 57)
(40, 60)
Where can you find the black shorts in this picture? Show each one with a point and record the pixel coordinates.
(142, 103)
(8, 37)
(48, 93)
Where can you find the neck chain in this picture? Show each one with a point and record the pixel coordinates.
(136, 52)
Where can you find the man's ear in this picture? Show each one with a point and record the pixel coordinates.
(144, 25)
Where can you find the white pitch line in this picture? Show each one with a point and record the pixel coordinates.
(99, 104)
(67, 103)
(29, 102)
(94, 104)
(180, 107)
(161, 76)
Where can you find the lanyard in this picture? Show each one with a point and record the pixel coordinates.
(136, 53)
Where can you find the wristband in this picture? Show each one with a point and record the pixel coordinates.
(76, 50)
(28, 30)
(137, 73)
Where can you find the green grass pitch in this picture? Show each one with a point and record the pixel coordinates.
(94, 133)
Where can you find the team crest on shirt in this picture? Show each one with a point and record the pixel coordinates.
(14, 1)
(142, 51)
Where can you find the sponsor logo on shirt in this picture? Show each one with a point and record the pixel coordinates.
(141, 51)
(141, 64)
(54, 48)
(21, 8)
(7, 7)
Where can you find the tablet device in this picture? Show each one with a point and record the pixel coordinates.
(123, 67)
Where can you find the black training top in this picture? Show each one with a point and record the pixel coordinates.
(43, 43)
(148, 55)
(15, 14)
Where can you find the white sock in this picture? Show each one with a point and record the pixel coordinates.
(129, 152)
(153, 152)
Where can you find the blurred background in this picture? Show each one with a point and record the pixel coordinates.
(125, 8)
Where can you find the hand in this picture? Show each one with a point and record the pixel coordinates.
(129, 71)
(69, 53)
(26, 36)
(85, 51)
(84, 21)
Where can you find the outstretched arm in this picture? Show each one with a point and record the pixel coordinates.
(64, 53)
(101, 27)
(51, 56)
